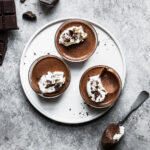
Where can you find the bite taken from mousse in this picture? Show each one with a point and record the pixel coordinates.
(100, 86)
(76, 40)
(112, 135)
(49, 76)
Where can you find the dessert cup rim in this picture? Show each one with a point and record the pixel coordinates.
(89, 25)
(117, 76)
(32, 66)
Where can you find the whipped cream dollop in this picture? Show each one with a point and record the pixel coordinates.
(118, 136)
(51, 82)
(95, 89)
(72, 35)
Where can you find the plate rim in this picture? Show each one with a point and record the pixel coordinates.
(43, 112)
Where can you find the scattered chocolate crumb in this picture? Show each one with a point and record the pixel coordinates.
(29, 15)
(87, 113)
(48, 53)
(6, 138)
(79, 113)
(24, 63)
(34, 53)
(105, 44)
(22, 1)
(69, 109)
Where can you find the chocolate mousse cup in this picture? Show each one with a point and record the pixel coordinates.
(77, 52)
(41, 66)
(110, 81)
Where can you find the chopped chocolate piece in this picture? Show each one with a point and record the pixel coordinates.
(58, 87)
(8, 19)
(22, 1)
(49, 3)
(3, 46)
(29, 15)
(49, 84)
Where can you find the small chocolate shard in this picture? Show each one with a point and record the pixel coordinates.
(57, 87)
(29, 15)
(49, 3)
(49, 84)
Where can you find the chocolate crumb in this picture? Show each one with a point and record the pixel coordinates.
(6, 138)
(69, 109)
(34, 53)
(79, 113)
(29, 15)
(87, 113)
(48, 53)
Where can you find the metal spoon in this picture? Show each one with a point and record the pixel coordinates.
(138, 102)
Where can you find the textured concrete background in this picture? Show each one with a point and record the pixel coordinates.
(23, 128)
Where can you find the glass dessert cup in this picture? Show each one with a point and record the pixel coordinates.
(110, 80)
(38, 68)
(77, 52)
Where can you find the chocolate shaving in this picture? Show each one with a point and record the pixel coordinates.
(49, 84)
(57, 87)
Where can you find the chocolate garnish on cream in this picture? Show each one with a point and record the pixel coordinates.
(51, 82)
(72, 35)
(95, 89)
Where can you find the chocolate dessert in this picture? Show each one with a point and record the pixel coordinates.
(112, 135)
(79, 49)
(103, 92)
(53, 71)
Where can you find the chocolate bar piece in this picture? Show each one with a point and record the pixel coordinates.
(29, 15)
(49, 3)
(3, 46)
(8, 19)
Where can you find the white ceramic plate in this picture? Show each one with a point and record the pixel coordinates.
(69, 108)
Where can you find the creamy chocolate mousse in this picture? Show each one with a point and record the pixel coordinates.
(100, 86)
(76, 40)
(112, 135)
(49, 76)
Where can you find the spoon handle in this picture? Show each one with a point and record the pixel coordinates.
(138, 102)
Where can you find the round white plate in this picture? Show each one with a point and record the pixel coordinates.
(69, 108)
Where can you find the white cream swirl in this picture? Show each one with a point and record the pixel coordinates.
(72, 35)
(51, 82)
(95, 89)
(118, 136)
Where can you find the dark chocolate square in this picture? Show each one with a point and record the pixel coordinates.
(1, 48)
(8, 7)
(0, 7)
(10, 22)
(1, 23)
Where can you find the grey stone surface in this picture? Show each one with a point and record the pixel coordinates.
(23, 128)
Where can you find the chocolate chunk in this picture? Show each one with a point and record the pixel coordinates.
(49, 84)
(8, 19)
(57, 87)
(49, 3)
(22, 1)
(3, 46)
(29, 15)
